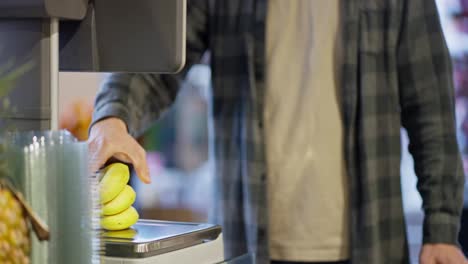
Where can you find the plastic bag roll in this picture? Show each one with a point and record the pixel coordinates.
(51, 169)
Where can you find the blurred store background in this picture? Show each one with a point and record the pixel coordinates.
(178, 145)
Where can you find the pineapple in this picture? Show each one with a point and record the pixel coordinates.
(14, 231)
(14, 228)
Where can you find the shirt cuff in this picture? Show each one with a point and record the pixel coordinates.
(441, 228)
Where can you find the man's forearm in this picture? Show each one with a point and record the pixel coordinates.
(427, 112)
(137, 99)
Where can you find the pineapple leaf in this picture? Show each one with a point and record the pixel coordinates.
(6, 67)
(7, 80)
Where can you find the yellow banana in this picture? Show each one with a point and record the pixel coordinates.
(123, 201)
(120, 221)
(126, 233)
(115, 179)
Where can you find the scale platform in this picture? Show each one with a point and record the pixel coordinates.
(152, 241)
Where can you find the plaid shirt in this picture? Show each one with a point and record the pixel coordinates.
(396, 72)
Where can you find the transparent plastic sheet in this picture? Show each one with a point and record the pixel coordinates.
(51, 169)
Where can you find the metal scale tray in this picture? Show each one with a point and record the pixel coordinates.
(152, 237)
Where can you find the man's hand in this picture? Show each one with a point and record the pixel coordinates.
(109, 139)
(441, 254)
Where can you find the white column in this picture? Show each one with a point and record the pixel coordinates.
(54, 72)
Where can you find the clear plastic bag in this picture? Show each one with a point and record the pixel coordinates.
(51, 169)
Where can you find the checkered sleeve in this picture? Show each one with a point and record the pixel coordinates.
(427, 112)
(139, 99)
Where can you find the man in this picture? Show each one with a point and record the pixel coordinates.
(309, 97)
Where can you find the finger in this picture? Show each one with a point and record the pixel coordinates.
(428, 261)
(424, 259)
(459, 258)
(463, 259)
(139, 162)
(134, 154)
(142, 172)
(451, 259)
(120, 157)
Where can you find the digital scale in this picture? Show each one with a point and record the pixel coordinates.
(157, 242)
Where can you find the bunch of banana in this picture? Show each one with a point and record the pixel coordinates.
(117, 198)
